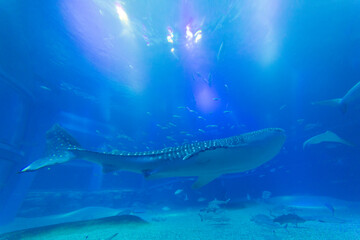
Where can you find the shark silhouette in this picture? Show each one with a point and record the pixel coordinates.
(351, 99)
(207, 159)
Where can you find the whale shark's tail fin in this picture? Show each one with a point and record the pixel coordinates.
(337, 102)
(58, 145)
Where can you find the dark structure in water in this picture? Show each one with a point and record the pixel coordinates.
(289, 218)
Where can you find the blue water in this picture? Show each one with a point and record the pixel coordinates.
(144, 75)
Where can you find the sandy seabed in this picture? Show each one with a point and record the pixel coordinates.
(230, 224)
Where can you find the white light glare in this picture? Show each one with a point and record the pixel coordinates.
(169, 39)
(122, 14)
(198, 36)
(189, 34)
(170, 36)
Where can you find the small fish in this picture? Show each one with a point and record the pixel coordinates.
(183, 132)
(311, 126)
(212, 126)
(216, 203)
(158, 125)
(209, 79)
(170, 138)
(266, 195)
(201, 130)
(216, 99)
(177, 192)
(202, 118)
(181, 107)
(148, 113)
(172, 124)
(123, 136)
(201, 199)
(226, 112)
(300, 121)
(164, 128)
(248, 197)
(112, 237)
(197, 76)
(226, 86)
(282, 107)
(45, 88)
(219, 51)
(189, 135)
(176, 116)
(190, 110)
(165, 208)
(186, 197)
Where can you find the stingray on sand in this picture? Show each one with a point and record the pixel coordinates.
(76, 228)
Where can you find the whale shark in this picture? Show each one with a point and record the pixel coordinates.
(351, 99)
(205, 160)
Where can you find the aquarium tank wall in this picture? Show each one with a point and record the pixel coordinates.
(157, 119)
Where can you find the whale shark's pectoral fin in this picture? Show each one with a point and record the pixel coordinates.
(191, 154)
(203, 180)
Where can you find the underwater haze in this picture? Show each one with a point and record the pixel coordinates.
(155, 119)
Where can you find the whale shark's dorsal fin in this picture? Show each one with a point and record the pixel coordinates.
(203, 180)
